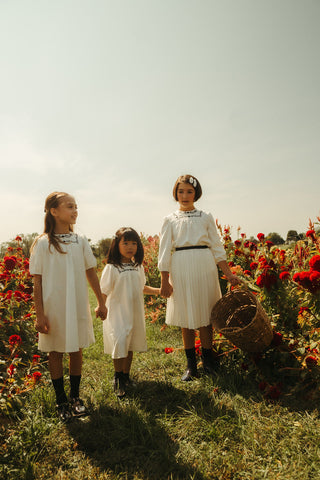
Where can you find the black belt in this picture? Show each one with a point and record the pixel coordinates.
(191, 247)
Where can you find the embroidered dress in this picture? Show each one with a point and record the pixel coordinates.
(124, 329)
(193, 272)
(64, 292)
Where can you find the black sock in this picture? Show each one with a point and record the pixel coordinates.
(191, 358)
(118, 374)
(74, 385)
(58, 386)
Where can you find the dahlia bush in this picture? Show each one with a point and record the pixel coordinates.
(20, 364)
(287, 284)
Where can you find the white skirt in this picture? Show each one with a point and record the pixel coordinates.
(196, 288)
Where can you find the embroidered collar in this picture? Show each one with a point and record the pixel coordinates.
(188, 213)
(127, 267)
(67, 237)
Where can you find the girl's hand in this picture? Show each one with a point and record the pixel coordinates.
(101, 311)
(42, 324)
(234, 280)
(166, 290)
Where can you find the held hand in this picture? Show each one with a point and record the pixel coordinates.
(166, 290)
(42, 324)
(234, 280)
(101, 311)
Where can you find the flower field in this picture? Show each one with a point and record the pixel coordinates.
(257, 418)
(20, 364)
(286, 281)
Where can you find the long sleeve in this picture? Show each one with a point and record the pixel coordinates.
(216, 246)
(165, 247)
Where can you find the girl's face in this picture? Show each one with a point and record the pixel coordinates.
(127, 249)
(65, 214)
(185, 195)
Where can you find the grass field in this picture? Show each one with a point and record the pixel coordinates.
(212, 428)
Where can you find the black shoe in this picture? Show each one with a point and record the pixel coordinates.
(128, 382)
(119, 385)
(211, 366)
(63, 412)
(77, 407)
(189, 375)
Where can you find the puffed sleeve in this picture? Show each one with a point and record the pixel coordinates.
(37, 258)
(165, 246)
(216, 246)
(89, 259)
(108, 278)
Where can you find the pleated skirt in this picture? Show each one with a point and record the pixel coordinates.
(196, 288)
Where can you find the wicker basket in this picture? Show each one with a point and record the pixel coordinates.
(239, 316)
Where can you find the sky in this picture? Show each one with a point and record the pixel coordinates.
(111, 101)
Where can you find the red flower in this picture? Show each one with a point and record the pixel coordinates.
(10, 262)
(36, 376)
(303, 309)
(262, 385)
(35, 359)
(18, 238)
(277, 338)
(15, 340)
(311, 234)
(274, 392)
(311, 361)
(237, 252)
(247, 272)
(11, 370)
(18, 296)
(237, 243)
(269, 243)
(260, 237)
(314, 263)
(266, 279)
(284, 275)
(168, 350)
(253, 265)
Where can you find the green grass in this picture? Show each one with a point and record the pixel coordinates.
(217, 428)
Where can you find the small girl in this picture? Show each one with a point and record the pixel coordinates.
(61, 262)
(123, 285)
(189, 250)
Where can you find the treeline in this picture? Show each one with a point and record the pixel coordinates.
(101, 248)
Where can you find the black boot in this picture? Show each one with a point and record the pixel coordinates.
(119, 384)
(191, 371)
(210, 362)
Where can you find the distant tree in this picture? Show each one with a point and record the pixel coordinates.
(292, 236)
(25, 243)
(101, 249)
(275, 238)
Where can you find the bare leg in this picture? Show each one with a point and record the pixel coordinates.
(188, 338)
(55, 365)
(206, 335)
(75, 362)
(127, 362)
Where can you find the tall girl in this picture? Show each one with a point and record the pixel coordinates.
(61, 262)
(189, 252)
(123, 285)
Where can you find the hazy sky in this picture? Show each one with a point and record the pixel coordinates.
(112, 100)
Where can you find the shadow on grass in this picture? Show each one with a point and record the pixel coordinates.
(132, 442)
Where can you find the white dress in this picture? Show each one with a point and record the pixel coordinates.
(64, 292)
(124, 328)
(193, 272)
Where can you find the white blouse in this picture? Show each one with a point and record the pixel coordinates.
(183, 229)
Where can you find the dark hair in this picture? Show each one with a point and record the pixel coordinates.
(52, 201)
(127, 233)
(190, 180)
